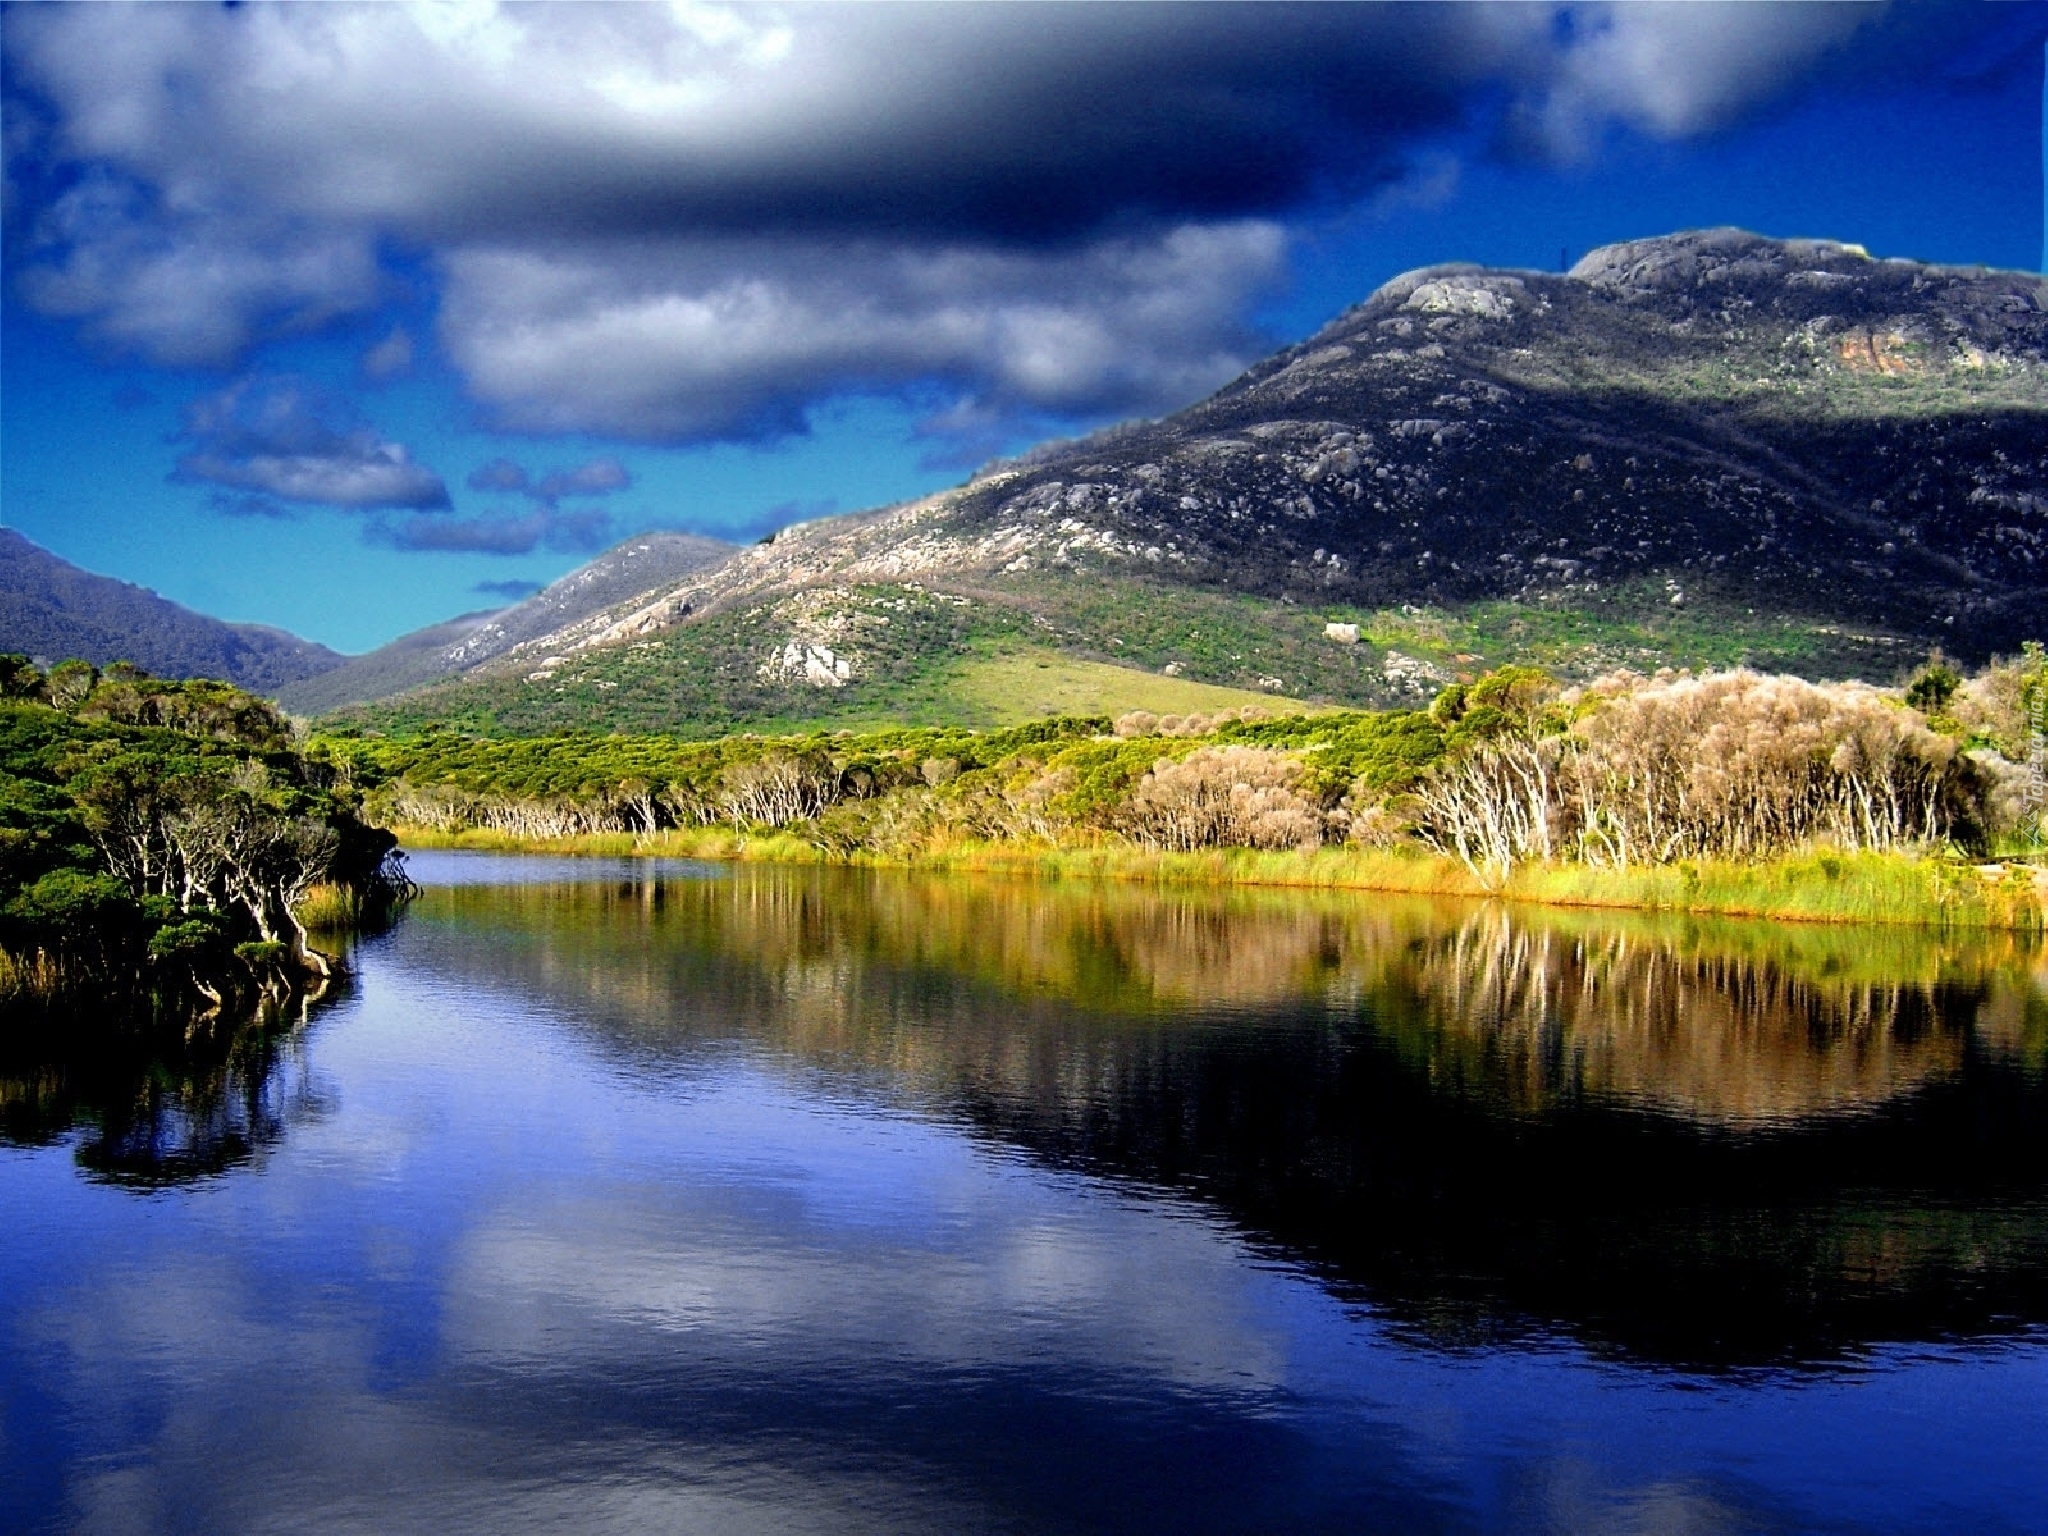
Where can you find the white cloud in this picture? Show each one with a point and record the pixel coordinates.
(379, 476)
(280, 438)
(183, 292)
(705, 339)
(1680, 67)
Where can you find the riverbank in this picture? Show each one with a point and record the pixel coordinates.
(1818, 887)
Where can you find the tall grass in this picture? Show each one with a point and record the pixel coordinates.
(328, 907)
(716, 842)
(33, 978)
(1811, 887)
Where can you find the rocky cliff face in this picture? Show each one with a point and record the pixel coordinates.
(1710, 429)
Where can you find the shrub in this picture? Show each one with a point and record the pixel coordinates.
(1223, 797)
(776, 790)
(181, 940)
(1995, 705)
(1933, 685)
(1738, 765)
(1492, 806)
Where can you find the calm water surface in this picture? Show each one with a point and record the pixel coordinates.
(615, 1197)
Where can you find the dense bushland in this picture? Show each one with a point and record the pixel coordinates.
(1627, 771)
(159, 839)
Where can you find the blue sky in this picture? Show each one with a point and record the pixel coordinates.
(350, 319)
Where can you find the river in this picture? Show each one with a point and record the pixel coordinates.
(611, 1196)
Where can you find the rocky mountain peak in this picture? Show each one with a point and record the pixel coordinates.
(1679, 443)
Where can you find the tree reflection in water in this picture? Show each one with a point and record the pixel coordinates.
(1703, 1144)
(161, 1101)
(1697, 1023)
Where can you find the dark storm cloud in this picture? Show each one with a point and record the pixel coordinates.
(282, 439)
(1012, 123)
(694, 221)
(1009, 123)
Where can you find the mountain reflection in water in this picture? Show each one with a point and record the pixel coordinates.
(616, 1197)
(1701, 1145)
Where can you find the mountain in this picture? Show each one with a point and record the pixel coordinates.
(645, 562)
(407, 662)
(52, 610)
(1706, 448)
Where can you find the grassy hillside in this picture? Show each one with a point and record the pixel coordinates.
(911, 657)
(1013, 648)
(1010, 687)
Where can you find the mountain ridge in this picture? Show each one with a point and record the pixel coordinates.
(1710, 446)
(53, 610)
(425, 656)
(1704, 448)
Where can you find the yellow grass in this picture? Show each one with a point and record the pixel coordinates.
(327, 906)
(31, 977)
(1817, 887)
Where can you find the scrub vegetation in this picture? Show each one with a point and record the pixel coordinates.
(1728, 791)
(1020, 648)
(165, 843)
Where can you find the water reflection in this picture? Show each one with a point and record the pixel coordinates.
(764, 1200)
(1701, 1144)
(1745, 1026)
(1748, 1026)
(161, 1101)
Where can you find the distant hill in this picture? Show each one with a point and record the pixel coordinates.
(52, 610)
(1707, 448)
(642, 563)
(407, 662)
